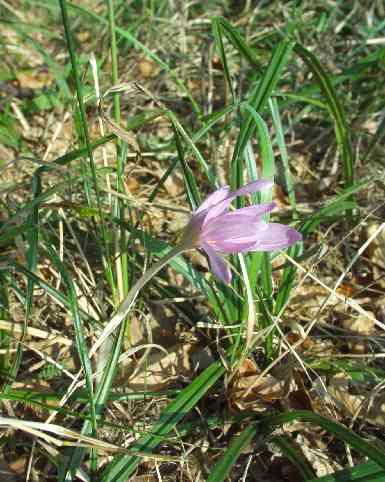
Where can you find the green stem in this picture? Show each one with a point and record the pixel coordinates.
(103, 391)
(119, 236)
(71, 49)
(129, 300)
(114, 58)
(79, 93)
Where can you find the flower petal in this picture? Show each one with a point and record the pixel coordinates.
(229, 225)
(256, 210)
(254, 186)
(217, 265)
(240, 245)
(232, 232)
(276, 236)
(222, 206)
(214, 198)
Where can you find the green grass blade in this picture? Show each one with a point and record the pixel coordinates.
(80, 335)
(237, 40)
(273, 104)
(336, 110)
(369, 472)
(4, 335)
(78, 86)
(294, 454)
(123, 466)
(260, 263)
(83, 117)
(258, 101)
(191, 144)
(223, 467)
(348, 436)
(69, 470)
(32, 234)
(140, 46)
(217, 33)
(192, 188)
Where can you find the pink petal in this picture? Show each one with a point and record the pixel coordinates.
(276, 236)
(240, 245)
(222, 206)
(232, 232)
(229, 225)
(214, 198)
(254, 186)
(217, 265)
(256, 210)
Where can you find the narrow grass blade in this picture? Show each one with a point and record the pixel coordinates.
(123, 466)
(192, 188)
(258, 101)
(216, 27)
(191, 144)
(273, 104)
(80, 335)
(4, 335)
(260, 264)
(126, 34)
(336, 110)
(78, 86)
(32, 235)
(233, 35)
(294, 454)
(270, 422)
(68, 471)
(370, 472)
(223, 467)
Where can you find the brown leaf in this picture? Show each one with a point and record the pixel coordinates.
(34, 79)
(376, 249)
(361, 325)
(148, 68)
(251, 391)
(368, 405)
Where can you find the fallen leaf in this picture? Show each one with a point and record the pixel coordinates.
(251, 391)
(376, 249)
(34, 79)
(148, 68)
(368, 405)
(360, 325)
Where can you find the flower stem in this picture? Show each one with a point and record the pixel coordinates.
(129, 300)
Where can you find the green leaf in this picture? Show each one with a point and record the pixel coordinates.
(217, 32)
(122, 467)
(236, 39)
(259, 98)
(270, 422)
(336, 110)
(369, 472)
(294, 454)
(229, 458)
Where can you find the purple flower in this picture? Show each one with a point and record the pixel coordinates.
(217, 230)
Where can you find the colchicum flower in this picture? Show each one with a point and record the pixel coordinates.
(217, 230)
